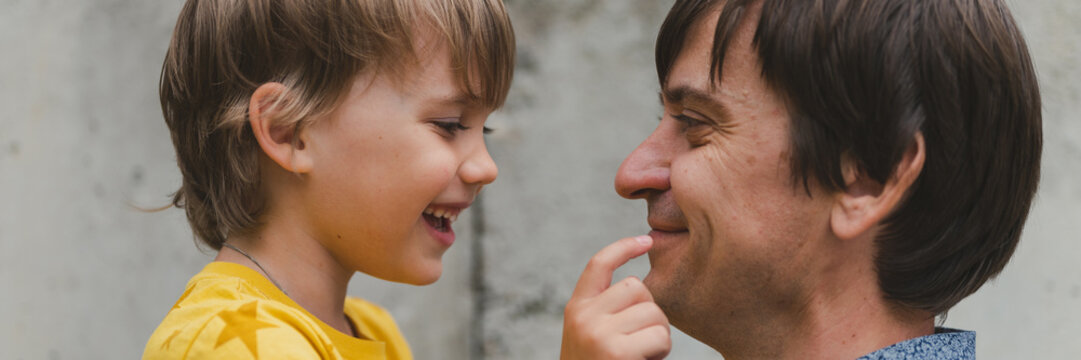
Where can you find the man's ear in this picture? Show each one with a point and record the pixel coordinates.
(280, 142)
(865, 202)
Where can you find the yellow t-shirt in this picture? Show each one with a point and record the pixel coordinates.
(229, 311)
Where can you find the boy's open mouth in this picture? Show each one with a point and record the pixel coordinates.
(441, 218)
(438, 223)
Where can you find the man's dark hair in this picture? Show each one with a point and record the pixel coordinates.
(860, 79)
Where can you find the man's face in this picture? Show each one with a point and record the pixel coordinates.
(729, 224)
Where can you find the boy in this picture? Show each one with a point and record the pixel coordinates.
(317, 138)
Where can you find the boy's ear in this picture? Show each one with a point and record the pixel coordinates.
(280, 142)
(865, 202)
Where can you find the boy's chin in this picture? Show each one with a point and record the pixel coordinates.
(424, 276)
(422, 273)
(424, 281)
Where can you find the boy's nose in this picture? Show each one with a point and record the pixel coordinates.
(479, 168)
(648, 167)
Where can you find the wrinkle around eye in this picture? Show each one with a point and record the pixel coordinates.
(695, 130)
(699, 135)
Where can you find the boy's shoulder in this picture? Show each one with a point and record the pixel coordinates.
(376, 323)
(226, 312)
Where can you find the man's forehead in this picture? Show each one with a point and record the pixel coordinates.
(692, 74)
(697, 42)
(690, 79)
(694, 55)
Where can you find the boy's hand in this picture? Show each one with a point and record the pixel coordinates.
(620, 321)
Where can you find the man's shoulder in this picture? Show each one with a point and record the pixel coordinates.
(944, 344)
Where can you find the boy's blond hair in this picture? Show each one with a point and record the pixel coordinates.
(222, 50)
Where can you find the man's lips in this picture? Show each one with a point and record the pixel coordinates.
(665, 224)
(664, 214)
(665, 235)
(667, 228)
(664, 241)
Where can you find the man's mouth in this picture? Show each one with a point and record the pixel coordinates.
(441, 217)
(668, 229)
(664, 215)
(668, 226)
(663, 236)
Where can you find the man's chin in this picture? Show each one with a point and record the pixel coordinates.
(651, 282)
(666, 253)
(663, 291)
(657, 282)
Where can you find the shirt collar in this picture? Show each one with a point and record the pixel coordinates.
(944, 344)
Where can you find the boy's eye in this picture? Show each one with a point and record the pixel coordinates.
(451, 125)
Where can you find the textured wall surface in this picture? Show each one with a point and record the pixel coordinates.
(85, 275)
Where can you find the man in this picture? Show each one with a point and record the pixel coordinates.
(827, 177)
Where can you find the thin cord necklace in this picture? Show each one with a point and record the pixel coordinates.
(271, 278)
(352, 328)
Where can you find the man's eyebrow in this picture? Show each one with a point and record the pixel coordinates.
(689, 95)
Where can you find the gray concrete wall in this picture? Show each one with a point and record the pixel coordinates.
(85, 275)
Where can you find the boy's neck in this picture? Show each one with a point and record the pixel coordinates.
(305, 270)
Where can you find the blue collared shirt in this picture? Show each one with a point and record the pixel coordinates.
(944, 344)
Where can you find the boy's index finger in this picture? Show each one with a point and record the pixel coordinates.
(598, 273)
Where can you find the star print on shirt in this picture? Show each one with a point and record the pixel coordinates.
(242, 324)
(169, 340)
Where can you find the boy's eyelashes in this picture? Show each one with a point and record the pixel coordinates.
(453, 125)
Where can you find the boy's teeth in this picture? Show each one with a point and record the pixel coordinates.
(442, 213)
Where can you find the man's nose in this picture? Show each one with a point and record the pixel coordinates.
(479, 168)
(647, 168)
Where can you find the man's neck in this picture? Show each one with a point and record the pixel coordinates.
(842, 315)
(305, 270)
(852, 325)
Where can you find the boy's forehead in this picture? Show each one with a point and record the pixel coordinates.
(449, 64)
(439, 80)
(430, 80)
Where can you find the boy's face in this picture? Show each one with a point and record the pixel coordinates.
(393, 166)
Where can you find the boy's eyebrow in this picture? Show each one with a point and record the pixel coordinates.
(458, 98)
(688, 95)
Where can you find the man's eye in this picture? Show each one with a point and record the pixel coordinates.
(696, 130)
(688, 121)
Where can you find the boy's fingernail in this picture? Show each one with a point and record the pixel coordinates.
(644, 239)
